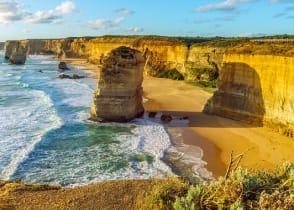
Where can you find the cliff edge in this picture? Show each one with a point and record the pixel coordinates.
(257, 89)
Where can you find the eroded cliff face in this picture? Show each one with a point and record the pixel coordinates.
(15, 51)
(258, 89)
(160, 53)
(119, 94)
(2, 45)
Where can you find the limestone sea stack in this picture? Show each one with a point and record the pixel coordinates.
(15, 52)
(18, 55)
(118, 97)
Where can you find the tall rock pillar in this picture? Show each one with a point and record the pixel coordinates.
(118, 97)
(15, 52)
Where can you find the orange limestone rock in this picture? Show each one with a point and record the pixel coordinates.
(118, 97)
(257, 89)
(16, 52)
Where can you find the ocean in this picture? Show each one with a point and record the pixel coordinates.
(46, 138)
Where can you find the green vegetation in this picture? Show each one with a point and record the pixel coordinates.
(213, 41)
(240, 190)
(258, 47)
(170, 74)
(205, 78)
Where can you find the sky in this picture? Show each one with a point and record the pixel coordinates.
(23, 19)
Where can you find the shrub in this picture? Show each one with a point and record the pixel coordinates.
(164, 194)
(170, 74)
(241, 190)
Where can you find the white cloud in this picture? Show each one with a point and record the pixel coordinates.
(135, 29)
(10, 11)
(124, 11)
(249, 34)
(65, 7)
(105, 24)
(225, 5)
(54, 16)
(42, 17)
(281, 1)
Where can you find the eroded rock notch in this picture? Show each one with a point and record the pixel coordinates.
(118, 97)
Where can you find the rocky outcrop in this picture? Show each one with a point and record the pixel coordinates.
(119, 94)
(257, 89)
(2, 45)
(74, 76)
(15, 52)
(62, 66)
(8, 48)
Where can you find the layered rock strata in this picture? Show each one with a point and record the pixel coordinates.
(160, 53)
(15, 52)
(258, 89)
(118, 97)
(2, 45)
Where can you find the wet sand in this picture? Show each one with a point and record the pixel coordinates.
(217, 136)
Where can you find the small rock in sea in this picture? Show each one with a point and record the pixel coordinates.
(152, 114)
(184, 118)
(75, 76)
(62, 65)
(166, 118)
(40, 71)
(64, 76)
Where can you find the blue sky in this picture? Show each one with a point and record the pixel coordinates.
(21, 19)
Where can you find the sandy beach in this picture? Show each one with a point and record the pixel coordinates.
(218, 137)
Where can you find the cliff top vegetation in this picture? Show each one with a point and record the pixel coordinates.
(260, 47)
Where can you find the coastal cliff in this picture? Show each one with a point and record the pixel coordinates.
(257, 89)
(161, 53)
(256, 77)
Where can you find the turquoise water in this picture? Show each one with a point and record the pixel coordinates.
(46, 137)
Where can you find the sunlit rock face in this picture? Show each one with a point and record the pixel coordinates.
(15, 52)
(118, 97)
(161, 53)
(257, 89)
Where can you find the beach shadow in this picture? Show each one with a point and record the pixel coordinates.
(239, 95)
(200, 119)
(237, 103)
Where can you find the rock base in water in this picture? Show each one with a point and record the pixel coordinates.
(62, 66)
(16, 53)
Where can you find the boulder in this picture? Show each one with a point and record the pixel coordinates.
(62, 65)
(119, 94)
(166, 118)
(74, 76)
(64, 76)
(152, 114)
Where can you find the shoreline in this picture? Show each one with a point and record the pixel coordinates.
(218, 137)
(187, 135)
